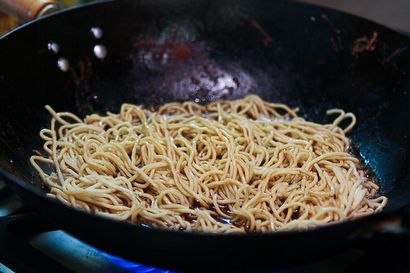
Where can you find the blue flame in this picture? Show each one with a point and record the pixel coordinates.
(133, 267)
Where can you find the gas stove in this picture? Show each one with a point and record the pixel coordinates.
(29, 245)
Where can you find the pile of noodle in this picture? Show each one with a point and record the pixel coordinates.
(229, 166)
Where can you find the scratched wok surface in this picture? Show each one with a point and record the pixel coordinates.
(159, 51)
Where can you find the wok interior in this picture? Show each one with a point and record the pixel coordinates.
(203, 51)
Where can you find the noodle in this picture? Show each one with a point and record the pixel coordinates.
(228, 166)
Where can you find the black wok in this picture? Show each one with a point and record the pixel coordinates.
(159, 51)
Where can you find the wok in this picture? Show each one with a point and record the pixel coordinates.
(152, 52)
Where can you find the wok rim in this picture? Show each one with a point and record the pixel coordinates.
(31, 189)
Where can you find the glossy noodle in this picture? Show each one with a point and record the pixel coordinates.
(229, 166)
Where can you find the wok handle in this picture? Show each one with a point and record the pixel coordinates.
(26, 10)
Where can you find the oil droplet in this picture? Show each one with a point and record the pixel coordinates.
(97, 32)
(100, 51)
(53, 47)
(63, 64)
